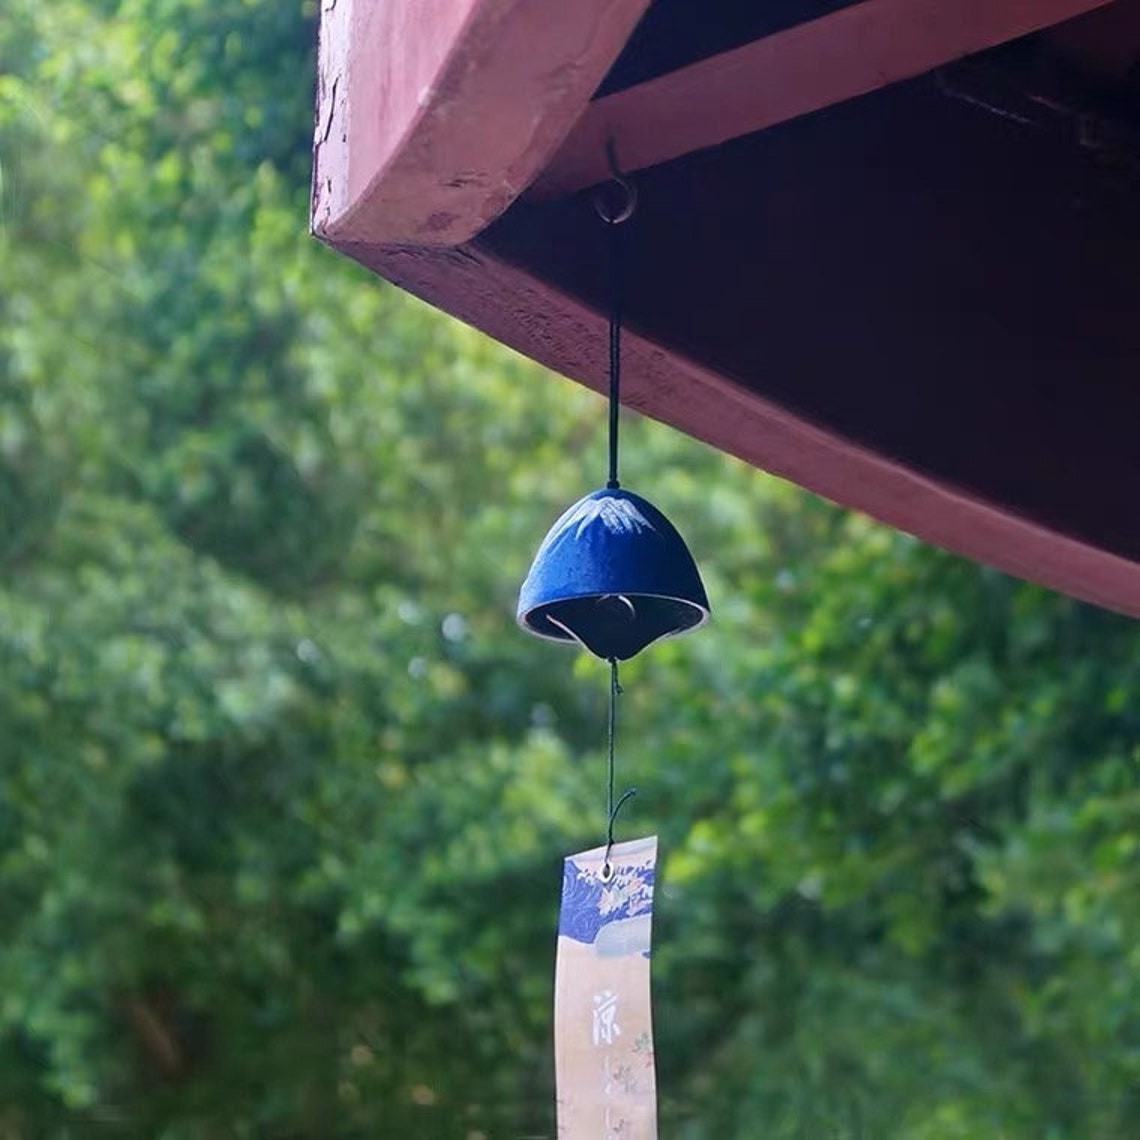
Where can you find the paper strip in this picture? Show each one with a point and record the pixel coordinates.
(603, 1025)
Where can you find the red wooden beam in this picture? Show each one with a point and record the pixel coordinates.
(433, 115)
(780, 77)
(559, 331)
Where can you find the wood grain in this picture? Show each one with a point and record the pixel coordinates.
(433, 115)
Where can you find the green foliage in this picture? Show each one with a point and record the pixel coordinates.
(284, 792)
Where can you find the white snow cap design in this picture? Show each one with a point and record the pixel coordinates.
(620, 515)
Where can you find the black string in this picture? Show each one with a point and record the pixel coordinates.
(611, 740)
(612, 809)
(616, 300)
(614, 220)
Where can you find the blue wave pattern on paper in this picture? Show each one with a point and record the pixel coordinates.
(588, 904)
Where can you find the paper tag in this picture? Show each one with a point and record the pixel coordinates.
(603, 1025)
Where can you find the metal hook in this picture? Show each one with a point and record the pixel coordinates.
(607, 867)
(625, 212)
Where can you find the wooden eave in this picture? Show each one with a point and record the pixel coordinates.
(889, 252)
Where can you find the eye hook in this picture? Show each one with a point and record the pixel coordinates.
(607, 867)
(624, 211)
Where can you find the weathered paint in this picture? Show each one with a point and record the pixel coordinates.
(808, 67)
(434, 115)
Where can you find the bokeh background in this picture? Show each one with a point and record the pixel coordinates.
(283, 791)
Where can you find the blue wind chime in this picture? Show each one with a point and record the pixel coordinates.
(614, 576)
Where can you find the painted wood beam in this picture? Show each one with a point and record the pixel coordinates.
(806, 68)
(433, 115)
(561, 332)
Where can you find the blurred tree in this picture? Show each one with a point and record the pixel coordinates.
(284, 792)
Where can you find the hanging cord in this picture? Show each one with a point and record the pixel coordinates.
(612, 809)
(615, 352)
(614, 210)
(614, 215)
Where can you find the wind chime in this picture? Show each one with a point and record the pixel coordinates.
(612, 575)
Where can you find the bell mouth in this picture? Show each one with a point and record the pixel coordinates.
(614, 627)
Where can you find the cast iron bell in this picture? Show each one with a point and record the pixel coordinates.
(614, 575)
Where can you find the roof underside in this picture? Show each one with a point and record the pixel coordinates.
(920, 301)
(954, 288)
